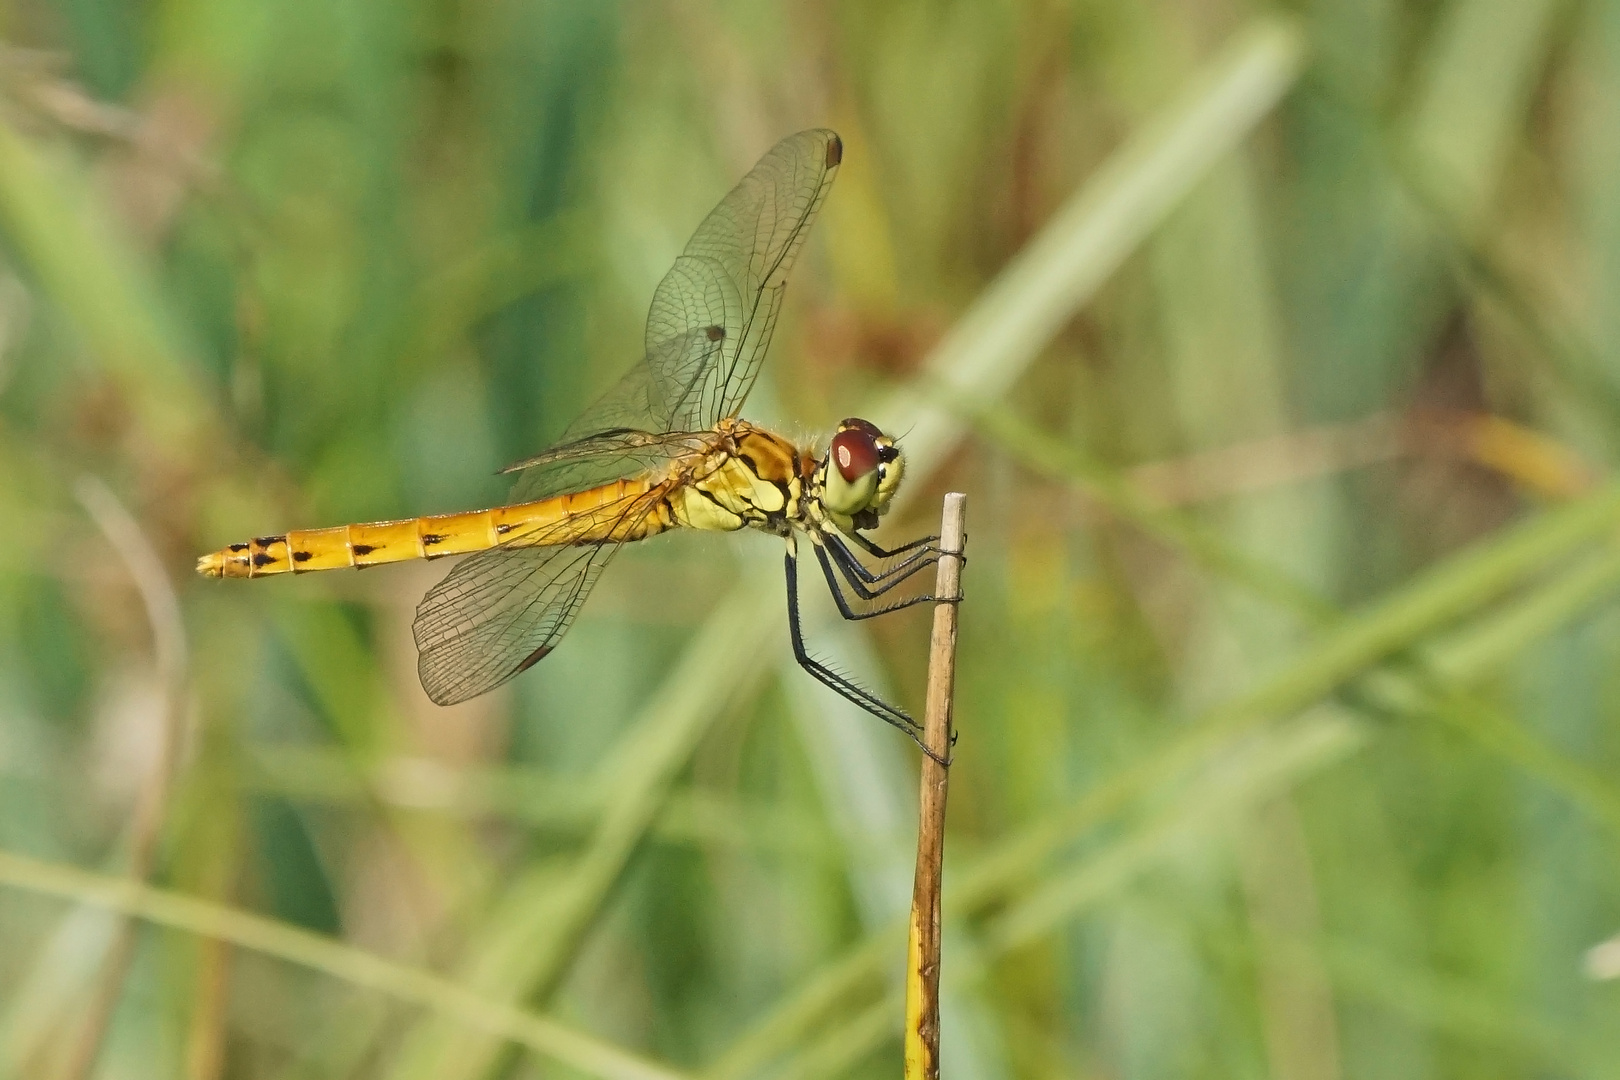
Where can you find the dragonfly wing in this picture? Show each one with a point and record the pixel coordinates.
(646, 398)
(694, 325)
(743, 250)
(501, 611)
(710, 324)
(597, 459)
(616, 437)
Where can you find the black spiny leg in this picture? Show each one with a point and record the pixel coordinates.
(828, 556)
(869, 583)
(846, 689)
(870, 548)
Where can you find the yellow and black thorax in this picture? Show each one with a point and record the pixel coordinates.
(751, 478)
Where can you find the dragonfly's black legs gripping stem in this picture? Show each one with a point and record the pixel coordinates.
(830, 553)
(873, 549)
(871, 583)
(845, 688)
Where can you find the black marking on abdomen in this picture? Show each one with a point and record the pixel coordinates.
(239, 547)
(502, 528)
(363, 549)
(431, 538)
(263, 558)
(302, 556)
(266, 541)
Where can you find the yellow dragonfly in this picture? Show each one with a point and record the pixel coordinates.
(663, 449)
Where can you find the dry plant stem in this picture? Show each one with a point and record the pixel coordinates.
(169, 644)
(205, 1042)
(922, 951)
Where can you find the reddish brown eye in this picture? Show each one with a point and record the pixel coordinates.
(855, 452)
(857, 424)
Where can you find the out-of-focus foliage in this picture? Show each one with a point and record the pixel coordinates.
(1289, 722)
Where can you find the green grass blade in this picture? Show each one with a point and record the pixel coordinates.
(1478, 83)
(524, 951)
(354, 966)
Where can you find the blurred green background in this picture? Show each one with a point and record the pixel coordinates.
(1275, 347)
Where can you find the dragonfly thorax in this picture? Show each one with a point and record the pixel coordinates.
(749, 477)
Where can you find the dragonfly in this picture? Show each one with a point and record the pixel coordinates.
(663, 449)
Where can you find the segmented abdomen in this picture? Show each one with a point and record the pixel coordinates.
(623, 510)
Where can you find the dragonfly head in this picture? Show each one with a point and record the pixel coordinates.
(860, 474)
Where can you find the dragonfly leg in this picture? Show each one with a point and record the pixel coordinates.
(841, 685)
(845, 608)
(859, 576)
(866, 545)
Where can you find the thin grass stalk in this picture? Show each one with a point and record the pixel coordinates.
(162, 608)
(270, 937)
(922, 948)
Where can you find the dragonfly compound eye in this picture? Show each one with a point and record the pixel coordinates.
(855, 453)
(855, 423)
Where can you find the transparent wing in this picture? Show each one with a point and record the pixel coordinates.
(743, 249)
(499, 612)
(596, 460)
(697, 319)
(711, 321)
(622, 434)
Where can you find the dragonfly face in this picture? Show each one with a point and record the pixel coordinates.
(859, 476)
(664, 449)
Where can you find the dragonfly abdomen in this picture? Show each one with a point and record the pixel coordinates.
(592, 516)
